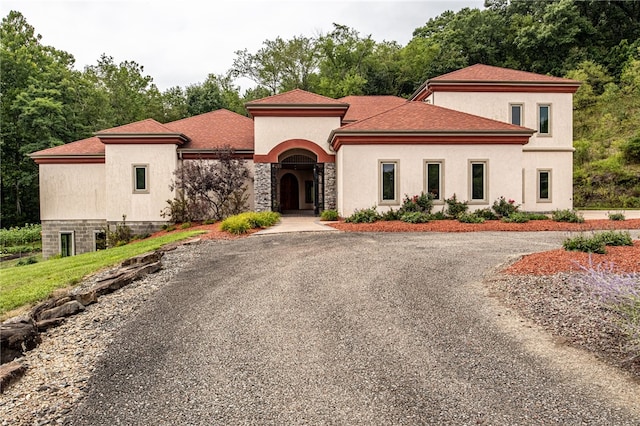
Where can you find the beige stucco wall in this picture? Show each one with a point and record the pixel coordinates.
(358, 174)
(72, 191)
(561, 166)
(271, 131)
(162, 160)
(497, 107)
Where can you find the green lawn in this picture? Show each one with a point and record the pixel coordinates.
(24, 285)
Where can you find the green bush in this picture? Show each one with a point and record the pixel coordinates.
(505, 208)
(329, 215)
(29, 233)
(486, 214)
(422, 203)
(235, 225)
(537, 216)
(28, 261)
(586, 244)
(470, 218)
(516, 217)
(391, 214)
(567, 216)
(415, 217)
(615, 238)
(616, 216)
(241, 223)
(369, 215)
(209, 222)
(170, 228)
(121, 235)
(455, 207)
(185, 225)
(438, 216)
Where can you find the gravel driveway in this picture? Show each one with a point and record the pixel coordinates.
(342, 328)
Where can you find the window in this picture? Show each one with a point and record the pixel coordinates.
(478, 180)
(433, 178)
(515, 114)
(544, 119)
(544, 186)
(66, 244)
(308, 191)
(140, 178)
(99, 240)
(388, 182)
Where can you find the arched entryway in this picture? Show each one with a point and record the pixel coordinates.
(298, 182)
(289, 192)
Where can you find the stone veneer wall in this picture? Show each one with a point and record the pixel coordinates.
(262, 186)
(330, 186)
(84, 233)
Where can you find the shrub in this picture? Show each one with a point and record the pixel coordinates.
(537, 216)
(505, 208)
(486, 214)
(235, 225)
(369, 215)
(455, 207)
(185, 225)
(616, 216)
(615, 238)
(422, 203)
(631, 150)
(28, 261)
(209, 221)
(329, 215)
(567, 216)
(516, 217)
(391, 214)
(121, 235)
(415, 217)
(170, 228)
(591, 244)
(619, 293)
(470, 218)
(20, 236)
(438, 216)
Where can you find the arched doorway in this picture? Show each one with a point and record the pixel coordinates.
(289, 192)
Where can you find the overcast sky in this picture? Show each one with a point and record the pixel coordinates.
(179, 42)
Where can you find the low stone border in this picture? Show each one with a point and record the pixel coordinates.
(22, 333)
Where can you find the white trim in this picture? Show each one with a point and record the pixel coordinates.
(396, 182)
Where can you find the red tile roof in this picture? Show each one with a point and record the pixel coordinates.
(361, 107)
(216, 129)
(296, 97)
(148, 126)
(419, 116)
(90, 146)
(488, 73)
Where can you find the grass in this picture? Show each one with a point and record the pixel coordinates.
(28, 284)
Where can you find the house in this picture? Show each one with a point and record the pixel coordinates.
(480, 132)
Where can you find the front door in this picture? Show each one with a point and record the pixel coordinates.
(289, 192)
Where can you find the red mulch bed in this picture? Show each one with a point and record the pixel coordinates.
(624, 259)
(213, 232)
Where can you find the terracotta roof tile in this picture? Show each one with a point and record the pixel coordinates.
(215, 129)
(149, 126)
(89, 146)
(419, 116)
(361, 107)
(296, 97)
(488, 73)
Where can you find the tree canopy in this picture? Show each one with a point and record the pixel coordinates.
(46, 102)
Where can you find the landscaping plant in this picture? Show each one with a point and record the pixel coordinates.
(504, 207)
(616, 216)
(455, 207)
(330, 215)
(369, 215)
(567, 215)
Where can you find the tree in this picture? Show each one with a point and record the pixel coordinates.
(209, 189)
(216, 92)
(280, 65)
(42, 105)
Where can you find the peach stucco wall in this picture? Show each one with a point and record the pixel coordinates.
(72, 191)
(271, 131)
(162, 160)
(358, 174)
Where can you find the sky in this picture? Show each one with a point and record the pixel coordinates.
(180, 42)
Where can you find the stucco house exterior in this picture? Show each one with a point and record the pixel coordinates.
(480, 132)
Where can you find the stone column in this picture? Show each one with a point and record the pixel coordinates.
(329, 186)
(262, 186)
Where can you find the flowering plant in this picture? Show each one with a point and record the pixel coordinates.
(504, 207)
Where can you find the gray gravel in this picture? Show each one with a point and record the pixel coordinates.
(347, 329)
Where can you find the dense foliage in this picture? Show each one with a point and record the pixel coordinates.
(45, 102)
